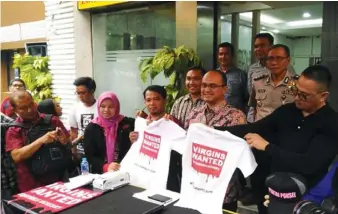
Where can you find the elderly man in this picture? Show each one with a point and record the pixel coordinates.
(23, 144)
(216, 112)
(299, 137)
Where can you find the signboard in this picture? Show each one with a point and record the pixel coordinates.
(54, 197)
(84, 5)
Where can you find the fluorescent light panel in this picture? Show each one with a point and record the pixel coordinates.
(305, 22)
(264, 18)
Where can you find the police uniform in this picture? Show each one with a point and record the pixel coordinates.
(266, 96)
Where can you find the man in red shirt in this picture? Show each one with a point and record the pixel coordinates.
(16, 138)
(15, 85)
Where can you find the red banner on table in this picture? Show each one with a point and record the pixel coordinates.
(55, 197)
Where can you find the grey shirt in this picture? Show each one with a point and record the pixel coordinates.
(237, 95)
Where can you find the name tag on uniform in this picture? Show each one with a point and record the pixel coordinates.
(287, 91)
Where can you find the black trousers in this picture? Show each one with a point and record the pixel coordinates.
(175, 172)
(257, 180)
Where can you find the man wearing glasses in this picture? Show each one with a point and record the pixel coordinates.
(271, 90)
(6, 107)
(216, 112)
(299, 137)
(84, 111)
(263, 43)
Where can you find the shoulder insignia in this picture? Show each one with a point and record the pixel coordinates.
(295, 77)
(260, 77)
(286, 80)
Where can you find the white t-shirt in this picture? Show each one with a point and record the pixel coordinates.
(147, 161)
(79, 117)
(209, 162)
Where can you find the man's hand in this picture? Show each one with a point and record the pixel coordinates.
(168, 117)
(113, 167)
(267, 200)
(49, 137)
(256, 141)
(141, 114)
(133, 136)
(62, 137)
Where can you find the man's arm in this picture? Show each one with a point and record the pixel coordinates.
(265, 125)
(19, 152)
(246, 94)
(318, 155)
(73, 124)
(174, 109)
(73, 133)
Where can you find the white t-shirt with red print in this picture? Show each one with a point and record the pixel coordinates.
(209, 162)
(147, 161)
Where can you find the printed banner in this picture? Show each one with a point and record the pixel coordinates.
(150, 145)
(207, 160)
(55, 197)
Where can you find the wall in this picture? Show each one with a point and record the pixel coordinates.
(21, 22)
(15, 12)
(301, 48)
(69, 48)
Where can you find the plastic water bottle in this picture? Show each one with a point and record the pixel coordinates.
(84, 166)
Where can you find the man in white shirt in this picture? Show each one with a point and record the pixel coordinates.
(84, 111)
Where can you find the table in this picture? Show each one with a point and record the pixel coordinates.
(120, 201)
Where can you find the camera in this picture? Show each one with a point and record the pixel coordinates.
(328, 206)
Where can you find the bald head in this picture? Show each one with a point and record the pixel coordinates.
(24, 106)
(19, 95)
(218, 76)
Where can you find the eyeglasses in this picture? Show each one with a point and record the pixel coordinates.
(276, 59)
(302, 95)
(81, 93)
(18, 85)
(211, 86)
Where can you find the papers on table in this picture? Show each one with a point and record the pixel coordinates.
(80, 181)
(145, 194)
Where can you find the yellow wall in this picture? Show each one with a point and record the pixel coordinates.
(15, 12)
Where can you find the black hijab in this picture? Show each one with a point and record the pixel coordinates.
(47, 107)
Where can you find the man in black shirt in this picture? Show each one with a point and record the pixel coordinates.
(299, 137)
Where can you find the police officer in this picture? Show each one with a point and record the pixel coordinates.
(270, 91)
(263, 43)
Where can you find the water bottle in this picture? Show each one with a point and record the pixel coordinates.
(84, 166)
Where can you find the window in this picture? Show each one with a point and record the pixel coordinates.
(37, 49)
(120, 41)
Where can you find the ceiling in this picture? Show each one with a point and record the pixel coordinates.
(286, 17)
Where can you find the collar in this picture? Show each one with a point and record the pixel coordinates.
(40, 115)
(216, 109)
(285, 81)
(188, 97)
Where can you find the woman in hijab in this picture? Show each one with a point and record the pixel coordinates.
(106, 138)
(49, 106)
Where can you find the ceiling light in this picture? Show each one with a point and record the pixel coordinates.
(264, 18)
(222, 17)
(306, 15)
(305, 22)
(275, 31)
